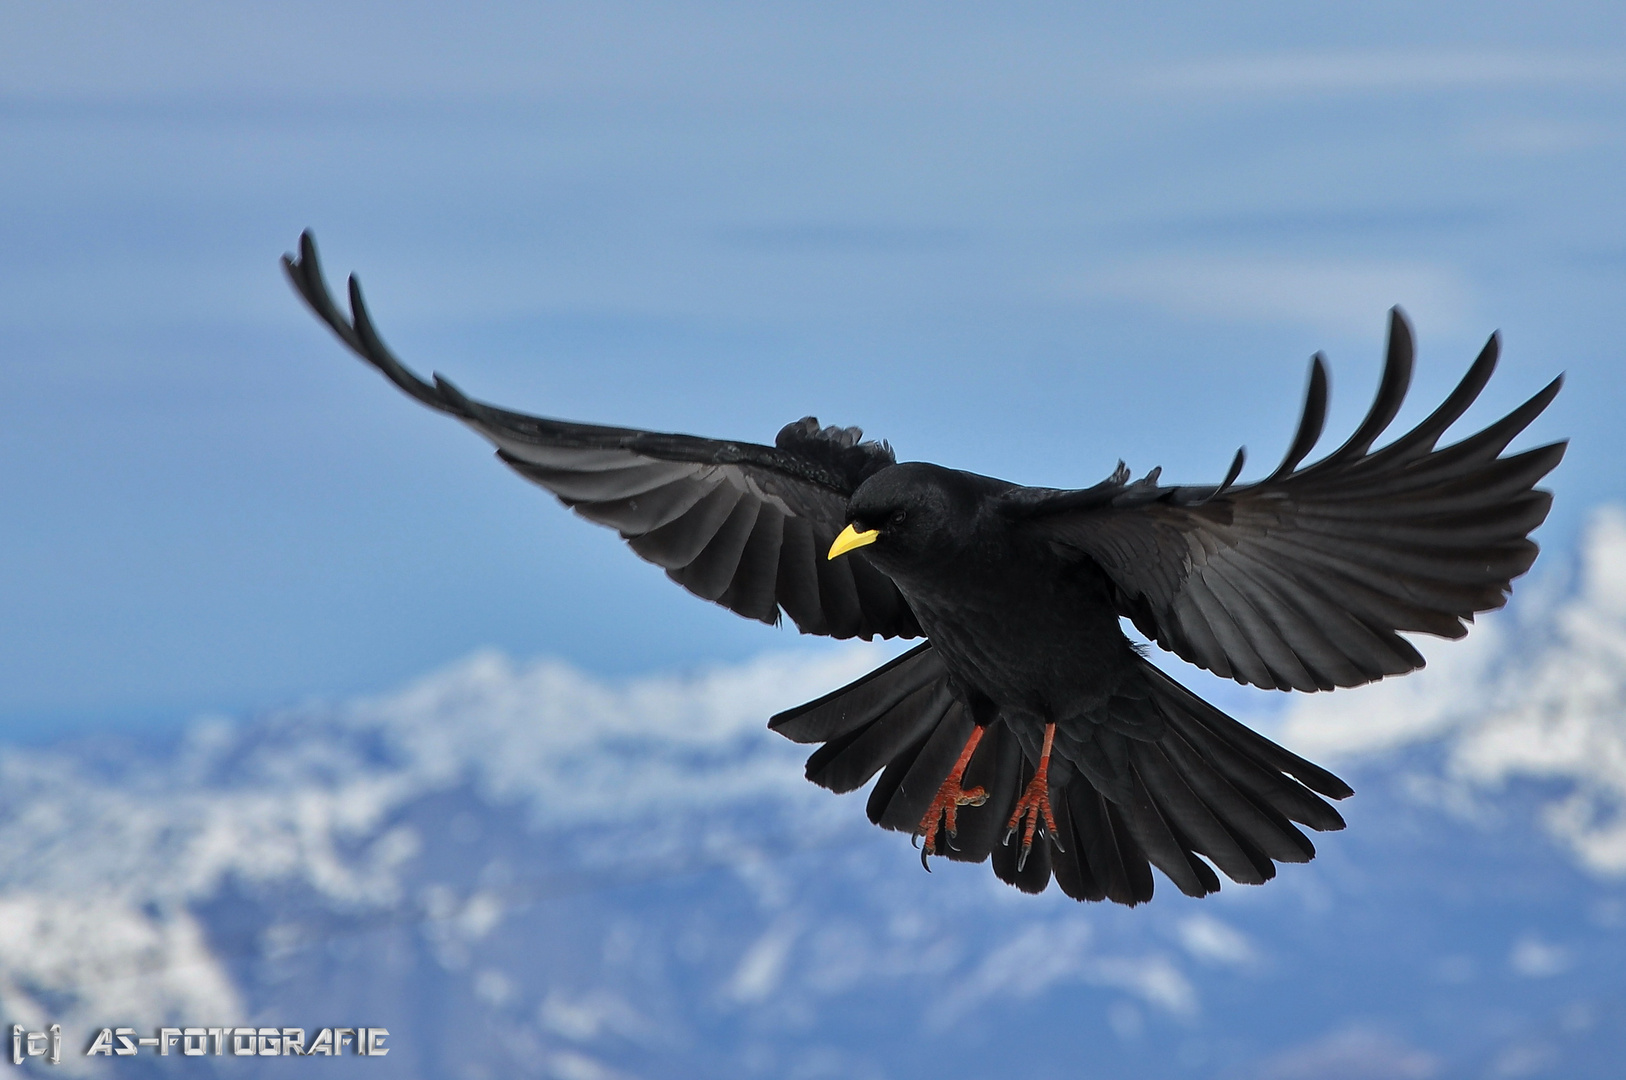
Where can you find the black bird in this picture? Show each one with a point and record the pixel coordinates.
(1027, 727)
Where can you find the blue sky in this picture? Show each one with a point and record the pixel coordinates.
(1024, 243)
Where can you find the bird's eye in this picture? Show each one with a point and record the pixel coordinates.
(898, 518)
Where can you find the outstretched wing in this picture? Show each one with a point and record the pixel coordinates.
(744, 525)
(1300, 581)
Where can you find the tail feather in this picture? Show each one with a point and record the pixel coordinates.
(1173, 782)
(1244, 739)
(1193, 820)
(1264, 784)
(1137, 868)
(1033, 875)
(847, 763)
(1074, 873)
(1271, 834)
(1102, 755)
(864, 700)
(1102, 844)
(906, 788)
(1190, 874)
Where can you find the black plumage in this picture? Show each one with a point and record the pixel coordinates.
(1027, 710)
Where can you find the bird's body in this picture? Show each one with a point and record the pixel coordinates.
(1027, 709)
(1019, 624)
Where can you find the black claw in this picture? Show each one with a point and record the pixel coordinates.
(1022, 859)
(1010, 832)
(914, 840)
(924, 865)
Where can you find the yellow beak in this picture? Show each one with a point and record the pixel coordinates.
(851, 538)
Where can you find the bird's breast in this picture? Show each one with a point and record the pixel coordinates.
(1034, 637)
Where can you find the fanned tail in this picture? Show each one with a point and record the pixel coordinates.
(1158, 778)
(1208, 790)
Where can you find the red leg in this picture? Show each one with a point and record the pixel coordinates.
(1035, 801)
(951, 796)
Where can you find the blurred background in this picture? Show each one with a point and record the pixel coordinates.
(315, 715)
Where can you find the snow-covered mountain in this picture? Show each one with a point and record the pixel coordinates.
(522, 871)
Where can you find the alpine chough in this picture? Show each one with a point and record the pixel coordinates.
(1026, 727)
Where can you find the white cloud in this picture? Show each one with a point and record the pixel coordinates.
(587, 1017)
(1043, 954)
(1308, 73)
(1532, 137)
(1029, 962)
(1155, 978)
(577, 749)
(1537, 959)
(762, 968)
(1355, 1053)
(1125, 1021)
(1216, 942)
(571, 1065)
(1524, 1059)
(1340, 295)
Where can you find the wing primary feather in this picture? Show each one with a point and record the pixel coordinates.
(1392, 388)
(1230, 477)
(305, 272)
(602, 485)
(357, 332)
(1331, 643)
(1425, 435)
(1311, 422)
(1486, 444)
(379, 355)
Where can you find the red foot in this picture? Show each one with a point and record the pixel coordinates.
(951, 796)
(1035, 802)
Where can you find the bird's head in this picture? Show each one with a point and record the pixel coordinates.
(907, 514)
